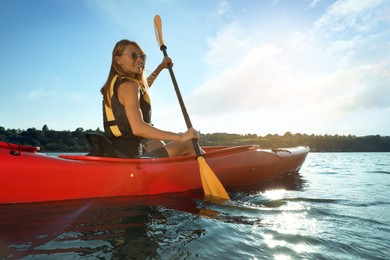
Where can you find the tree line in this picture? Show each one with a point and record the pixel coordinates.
(75, 141)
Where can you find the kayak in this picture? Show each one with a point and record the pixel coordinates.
(30, 176)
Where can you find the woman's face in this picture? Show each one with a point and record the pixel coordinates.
(132, 60)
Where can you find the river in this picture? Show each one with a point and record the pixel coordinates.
(337, 207)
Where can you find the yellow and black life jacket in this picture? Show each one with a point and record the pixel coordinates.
(115, 121)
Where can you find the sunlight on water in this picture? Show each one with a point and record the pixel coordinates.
(292, 219)
(337, 208)
(271, 242)
(288, 223)
(274, 194)
(301, 248)
(292, 223)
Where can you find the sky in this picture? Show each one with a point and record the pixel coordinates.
(243, 66)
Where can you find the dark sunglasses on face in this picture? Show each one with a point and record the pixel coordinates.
(135, 55)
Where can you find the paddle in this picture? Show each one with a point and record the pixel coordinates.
(211, 185)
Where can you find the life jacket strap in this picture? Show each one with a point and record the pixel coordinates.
(110, 115)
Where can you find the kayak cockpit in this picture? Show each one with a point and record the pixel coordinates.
(210, 151)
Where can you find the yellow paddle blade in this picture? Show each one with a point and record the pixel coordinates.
(158, 30)
(211, 185)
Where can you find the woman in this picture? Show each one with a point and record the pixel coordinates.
(127, 110)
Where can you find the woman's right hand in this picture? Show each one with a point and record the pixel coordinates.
(189, 135)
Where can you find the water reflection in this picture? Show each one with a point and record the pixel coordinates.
(274, 211)
(102, 228)
(250, 202)
(152, 226)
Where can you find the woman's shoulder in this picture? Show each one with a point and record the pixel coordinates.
(128, 83)
(127, 88)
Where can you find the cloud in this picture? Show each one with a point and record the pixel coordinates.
(345, 15)
(76, 96)
(312, 79)
(375, 82)
(222, 10)
(227, 47)
(38, 93)
(314, 3)
(56, 92)
(250, 79)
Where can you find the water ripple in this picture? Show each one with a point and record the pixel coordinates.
(336, 208)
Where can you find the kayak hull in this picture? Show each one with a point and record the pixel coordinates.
(28, 176)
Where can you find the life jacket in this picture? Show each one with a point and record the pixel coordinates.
(115, 121)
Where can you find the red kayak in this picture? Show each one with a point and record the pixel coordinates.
(29, 176)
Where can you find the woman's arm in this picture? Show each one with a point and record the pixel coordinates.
(163, 65)
(129, 95)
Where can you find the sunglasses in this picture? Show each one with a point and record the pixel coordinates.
(135, 55)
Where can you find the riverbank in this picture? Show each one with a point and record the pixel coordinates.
(75, 141)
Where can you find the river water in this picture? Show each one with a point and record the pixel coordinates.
(337, 207)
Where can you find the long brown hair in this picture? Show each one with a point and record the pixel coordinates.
(117, 70)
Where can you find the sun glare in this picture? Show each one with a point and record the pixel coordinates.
(274, 194)
(293, 219)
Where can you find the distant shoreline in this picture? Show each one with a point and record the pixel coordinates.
(75, 141)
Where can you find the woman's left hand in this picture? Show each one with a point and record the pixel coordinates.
(167, 62)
